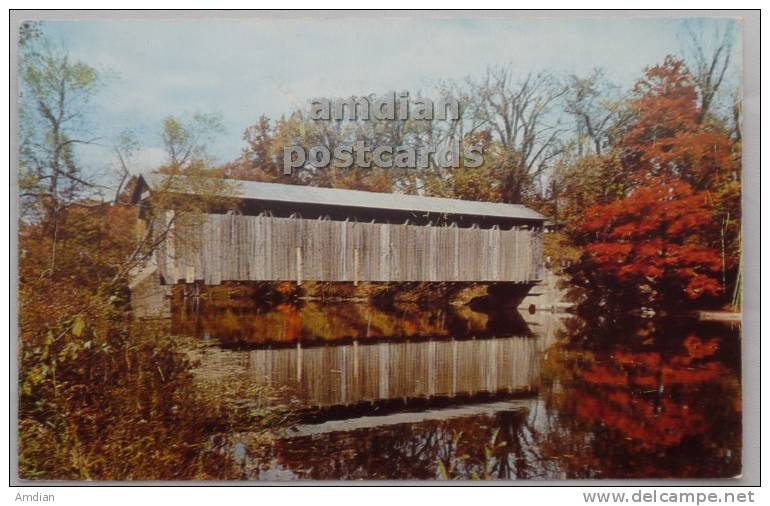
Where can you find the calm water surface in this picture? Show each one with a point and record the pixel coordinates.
(408, 392)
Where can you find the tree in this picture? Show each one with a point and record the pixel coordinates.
(262, 158)
(170, 212)
(709, 60)
(125, 148)
(578, 182)
(516, 121)
(667, 136)
(658, 237)
(520, 115)
(55, 93)
(186, 140)
(598, 109)
(673, 236)
(98, 390)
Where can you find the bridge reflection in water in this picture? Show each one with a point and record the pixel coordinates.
(372, 355)
(405, 392)
(349, 374)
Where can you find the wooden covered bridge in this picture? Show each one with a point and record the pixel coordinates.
(281, 232)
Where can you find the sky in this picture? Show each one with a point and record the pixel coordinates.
(242, 68)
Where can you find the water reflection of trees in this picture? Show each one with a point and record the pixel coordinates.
(663, 400)
(618, 397)
(314, 322)
(654, 398)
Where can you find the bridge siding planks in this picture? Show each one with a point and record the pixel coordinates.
(263, 248)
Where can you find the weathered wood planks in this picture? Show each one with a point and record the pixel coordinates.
(263, 248)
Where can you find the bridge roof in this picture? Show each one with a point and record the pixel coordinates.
(336, 197)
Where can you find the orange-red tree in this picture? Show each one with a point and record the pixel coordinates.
(674, 236)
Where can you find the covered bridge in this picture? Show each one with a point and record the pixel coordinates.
(280, 232)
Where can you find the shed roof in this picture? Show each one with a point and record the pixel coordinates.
(275, 192)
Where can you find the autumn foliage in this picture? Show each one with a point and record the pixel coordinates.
(653, 212)
(672, 236)
(656, 236)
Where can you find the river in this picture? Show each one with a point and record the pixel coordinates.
(409, 392)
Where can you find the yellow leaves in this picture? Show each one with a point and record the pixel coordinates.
(82, 75)
(443, 472)
(78, 325)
